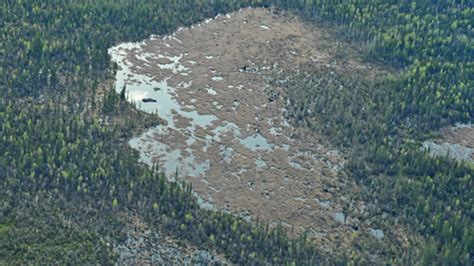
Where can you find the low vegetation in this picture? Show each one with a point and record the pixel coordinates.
(64, 177)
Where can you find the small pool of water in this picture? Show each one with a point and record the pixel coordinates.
(227, 153)
(175, 66)
(294, 164)
(139, 87)
(456, 143)
(256, 142)
(340, 217)
(211, 91)
(452, 150)
(377, 233)
(260, 164)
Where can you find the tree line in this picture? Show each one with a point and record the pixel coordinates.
(56, 163)
(65, 177)
(381, 123)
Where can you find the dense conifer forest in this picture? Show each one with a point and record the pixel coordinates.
(66, 175)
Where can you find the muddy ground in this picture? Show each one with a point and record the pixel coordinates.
(456, 142)
(225, 129)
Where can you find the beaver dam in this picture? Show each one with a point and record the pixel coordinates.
(226, 133)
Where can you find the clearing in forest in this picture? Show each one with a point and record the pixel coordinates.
(226, 133)
(456, 142)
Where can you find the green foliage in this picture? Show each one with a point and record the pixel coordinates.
(56, 164)
(432, 43)
(378, 123)
(47, 232)
(53, 44)
(75, 162)
(48, 153)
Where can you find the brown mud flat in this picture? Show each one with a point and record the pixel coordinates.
(229, 138)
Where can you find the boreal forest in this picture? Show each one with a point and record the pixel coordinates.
(71, 185)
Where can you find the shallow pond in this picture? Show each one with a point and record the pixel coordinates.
(456, 142)
(222, 133)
